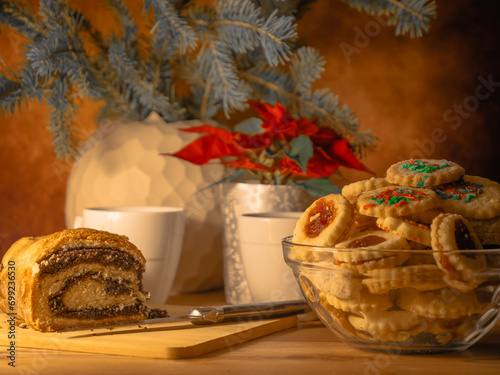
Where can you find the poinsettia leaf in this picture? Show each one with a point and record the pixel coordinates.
(324, 137)
(306, 127)
(288, 166)
(321, 165)
(250, 126)
(245, 163)
(257, 141)
(318, 186)
(267, 111)
(206, 148)
(209, 129)
(301, 150)
(342, 153)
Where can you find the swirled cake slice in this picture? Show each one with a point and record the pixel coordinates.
(74, 278)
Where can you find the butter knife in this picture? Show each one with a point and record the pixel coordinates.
(203, 316)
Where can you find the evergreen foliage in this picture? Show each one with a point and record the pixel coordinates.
(226, 54)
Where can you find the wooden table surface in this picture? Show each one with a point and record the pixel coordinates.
(308, 349)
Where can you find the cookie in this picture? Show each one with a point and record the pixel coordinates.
(421, 257)
(411, 230)
(396, 326)
(453, 232)
(424, 172)
(353, 190)
(366, 302)
(362, 224)
(365, 251)
(471, 196)
(335, 316)
(343, 284)
(487, 230)
(306, 254)
(324, 222)
(421, 277)
(418, 246)
(425, 217)
(442, 303)
(396, 201)
(452, 329)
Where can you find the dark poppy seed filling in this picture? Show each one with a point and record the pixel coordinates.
(61, 259)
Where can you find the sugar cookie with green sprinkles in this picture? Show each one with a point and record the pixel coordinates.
(396, 201)
(471, 196)
(424, 172)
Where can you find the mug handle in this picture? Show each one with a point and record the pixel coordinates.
(78, 223)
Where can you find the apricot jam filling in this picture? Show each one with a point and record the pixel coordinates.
(321, 216)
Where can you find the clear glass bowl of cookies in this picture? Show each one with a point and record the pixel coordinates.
(402, 301)
(407, 263)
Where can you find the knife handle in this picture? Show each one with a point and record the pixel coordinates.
(245, 312)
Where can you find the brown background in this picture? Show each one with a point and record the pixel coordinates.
(398, 86)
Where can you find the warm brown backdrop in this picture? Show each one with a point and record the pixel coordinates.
(398, 86)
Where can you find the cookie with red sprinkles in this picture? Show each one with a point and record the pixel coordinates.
(411, 230)
(396, 201)
(424, 172)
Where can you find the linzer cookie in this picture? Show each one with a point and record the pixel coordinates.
(471, 196)
(424, 172)
(396, 201)
(411, 230)
(453, 232)
(370, 254)
(324, 222)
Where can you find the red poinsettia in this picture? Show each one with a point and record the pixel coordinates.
(280, 150)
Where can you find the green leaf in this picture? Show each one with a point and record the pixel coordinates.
(318, 186)
(273, 155)
(250, 126)
(232, 177)
(301, 151)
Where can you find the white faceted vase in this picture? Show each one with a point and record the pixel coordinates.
(121, 164)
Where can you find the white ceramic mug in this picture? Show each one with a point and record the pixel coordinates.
(269, 277)
(156, 231)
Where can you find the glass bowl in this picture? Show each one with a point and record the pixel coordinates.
(400, 301)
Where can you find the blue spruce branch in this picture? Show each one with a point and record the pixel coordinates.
(409, 16)
(19, 16)
(226, 54)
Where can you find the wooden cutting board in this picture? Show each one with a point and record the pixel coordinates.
(169, 340)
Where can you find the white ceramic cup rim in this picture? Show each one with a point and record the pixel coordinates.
(274, 215)
(135, 209)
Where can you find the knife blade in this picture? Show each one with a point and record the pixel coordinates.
(204, 315)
